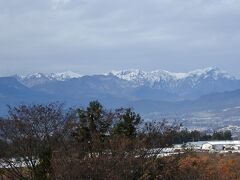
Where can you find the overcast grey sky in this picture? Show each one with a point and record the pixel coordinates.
(96, 36)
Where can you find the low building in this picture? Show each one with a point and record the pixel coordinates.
(221, 145)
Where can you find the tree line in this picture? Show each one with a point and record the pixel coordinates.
(185, 136)
(48, 142)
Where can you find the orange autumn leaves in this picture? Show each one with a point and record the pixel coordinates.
(209, 166)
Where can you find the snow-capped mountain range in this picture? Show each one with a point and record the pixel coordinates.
(135, 76)
(141, 77)
(123, 88)
(163, 84)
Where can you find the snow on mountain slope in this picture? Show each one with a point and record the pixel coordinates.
(141, 77)
(40, 78)
(214, 73)
(32, 79)
(63, 76)
(32, 76)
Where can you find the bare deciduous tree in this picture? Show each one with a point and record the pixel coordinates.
(32, 132)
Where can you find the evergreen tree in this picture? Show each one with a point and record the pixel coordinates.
(128, 123)
(94, 123)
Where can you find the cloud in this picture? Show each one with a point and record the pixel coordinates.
(115, 34)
